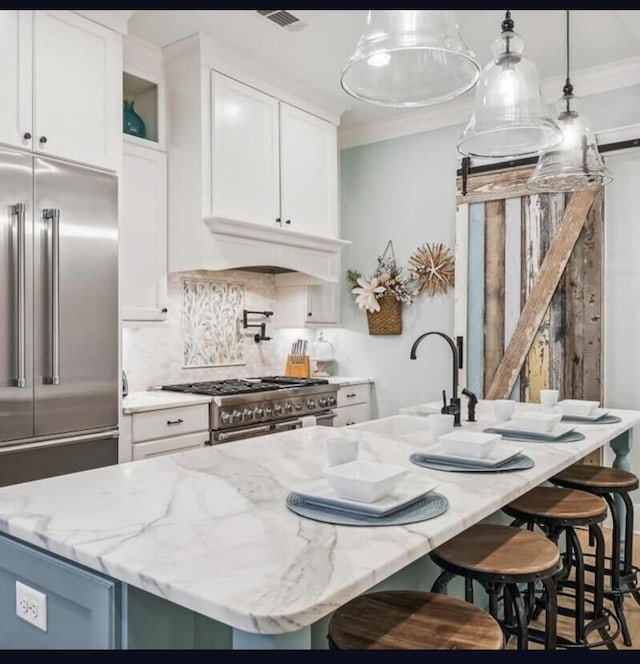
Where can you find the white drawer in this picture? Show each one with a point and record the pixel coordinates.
(169, 422)
(347, 415)
(353, 394)
(169, 445)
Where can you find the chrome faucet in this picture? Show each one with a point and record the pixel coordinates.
(453, 407)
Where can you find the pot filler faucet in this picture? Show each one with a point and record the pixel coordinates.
(453, 407)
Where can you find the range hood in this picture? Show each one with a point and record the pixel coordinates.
(238, 245)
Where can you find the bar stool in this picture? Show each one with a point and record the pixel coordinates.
(412, 620)
(557, 511)
(499, 558)
(614, 485)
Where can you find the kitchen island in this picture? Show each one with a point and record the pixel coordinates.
(198, 549)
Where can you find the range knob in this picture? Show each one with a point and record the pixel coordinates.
(311, 404)
(323, 401)
(247, 414)
(227, 418)
(288, 407)
(237, 416)
(258, 412)
(298, 406)
(277, 409)
(268, 412)
(332, 401)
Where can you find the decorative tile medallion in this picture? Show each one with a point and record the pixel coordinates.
(212, 332)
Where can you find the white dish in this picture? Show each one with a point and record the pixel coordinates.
(469, 443)
(558, 431)
(414, 486)
(577, 407)
(365, 481)
(501, 453)
(596, 415)
(536, 421)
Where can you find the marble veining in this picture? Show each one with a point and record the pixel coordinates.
(209, 529)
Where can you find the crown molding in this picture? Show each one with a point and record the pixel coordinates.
(115, 19)
(594, 80)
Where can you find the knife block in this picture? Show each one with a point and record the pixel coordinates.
(298, 367)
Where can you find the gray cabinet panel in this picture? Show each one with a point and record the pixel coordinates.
(81, 604)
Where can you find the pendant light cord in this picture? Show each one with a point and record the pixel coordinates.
(567, 90)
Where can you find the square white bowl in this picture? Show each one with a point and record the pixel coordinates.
(577, 407)
(536, 421)
(365, 481)
(470, 443)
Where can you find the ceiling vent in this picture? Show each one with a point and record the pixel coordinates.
(282, 18)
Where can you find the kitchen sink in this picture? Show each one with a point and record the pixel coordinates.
(394, 426)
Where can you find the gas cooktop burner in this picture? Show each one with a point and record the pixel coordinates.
(244, 386)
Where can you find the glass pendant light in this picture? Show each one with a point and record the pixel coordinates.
(408, 58)
(576, 163)
(509, 120)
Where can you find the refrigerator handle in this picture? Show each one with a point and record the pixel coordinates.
(19, 263)
(52, 215)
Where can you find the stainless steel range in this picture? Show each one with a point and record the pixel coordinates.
(247, 407)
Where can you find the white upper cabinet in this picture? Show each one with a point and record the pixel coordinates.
(245, 152)
(15, 77)
(308, 172)
(272, 163)
(60, 79)
(143, 234)
(76, 89)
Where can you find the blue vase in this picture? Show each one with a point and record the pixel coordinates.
(132, 123)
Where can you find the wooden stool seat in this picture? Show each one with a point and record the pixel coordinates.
(413, 620)
(558, 511)
(598, 479)
(550, 503)
(501, 559)
(494, 550)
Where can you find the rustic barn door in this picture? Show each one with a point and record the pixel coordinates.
(528, 294)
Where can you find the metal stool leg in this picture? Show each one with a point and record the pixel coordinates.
(441, 583)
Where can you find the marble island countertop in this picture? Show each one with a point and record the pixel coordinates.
(208, 529)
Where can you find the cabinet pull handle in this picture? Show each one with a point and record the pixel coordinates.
(43, 139)
(26, 135)
(349, 424)
(279, 221)
(164, 310)
(309, 313)
(287, 222)
(178, 421)
(350, 395)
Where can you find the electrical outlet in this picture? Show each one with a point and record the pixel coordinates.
(31, 605)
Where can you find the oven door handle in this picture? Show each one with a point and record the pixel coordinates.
(297, 423)
(230, 435)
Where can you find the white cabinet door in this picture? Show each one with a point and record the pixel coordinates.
(164, 446)
(309, 172)
(348, 415)
(245, 153)
(323, 304)
(143, 234)
(77, 89)
(15, 78)
(300, 306)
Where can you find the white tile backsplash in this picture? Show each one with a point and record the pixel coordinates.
(153, 355)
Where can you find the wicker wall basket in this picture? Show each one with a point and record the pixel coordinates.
(389, 319)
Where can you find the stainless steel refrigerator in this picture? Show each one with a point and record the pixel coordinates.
(58, 318)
